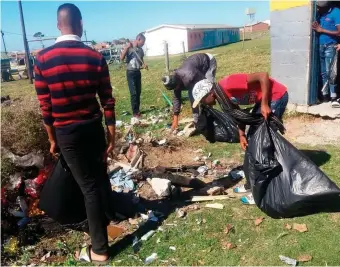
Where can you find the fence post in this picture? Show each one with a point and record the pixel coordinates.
(244, 33)
(166, 54)
(183, 46)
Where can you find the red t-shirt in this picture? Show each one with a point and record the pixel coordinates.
(236, 87)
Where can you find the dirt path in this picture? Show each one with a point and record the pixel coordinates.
(313, 131)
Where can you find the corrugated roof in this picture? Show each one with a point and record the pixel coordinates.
(4, 55)
(192, 26)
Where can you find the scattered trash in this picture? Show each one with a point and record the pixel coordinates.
(23, 222)
(172, 248)
(228, 228)
(282, 235)
(148, 235)
(114, 231)
(300, 227)
(288, 261)
(207, 198)
(200, 151)
(134, 121)
(46, 256)
(204, 221)
(162, 142)
(17, 213)
(203, 170)
(237, 174)
(197, 158)
(161, 187)
(181, 213)
(258, 221)
(11, 246)
(304, 258)
(150, 216)
(189, 129)
(215, 206)
(121, 181)
(216, 190)
(216, 162)
(133, 221)
(288, 226)
(136, 244)
(119, 124)
(28, 160)
(158, 241)
(151, 258)
(228, 245)
(160, 229)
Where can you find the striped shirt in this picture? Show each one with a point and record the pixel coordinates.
(68, 75)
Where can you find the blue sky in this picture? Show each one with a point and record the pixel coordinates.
(105, 21)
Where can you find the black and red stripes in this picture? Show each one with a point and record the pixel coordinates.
(68, 75)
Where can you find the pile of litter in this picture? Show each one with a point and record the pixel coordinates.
(23, 224)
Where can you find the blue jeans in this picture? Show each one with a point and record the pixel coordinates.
(327, 53)
(278, 107)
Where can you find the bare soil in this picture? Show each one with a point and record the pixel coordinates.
(313, 131)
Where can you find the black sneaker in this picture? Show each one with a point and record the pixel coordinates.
(326, 99)
(335, 103)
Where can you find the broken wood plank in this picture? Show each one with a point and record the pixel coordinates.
(206, 198)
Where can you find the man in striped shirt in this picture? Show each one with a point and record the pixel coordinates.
(68, 75)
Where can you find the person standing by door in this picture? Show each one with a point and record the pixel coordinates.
(68, 76)
(134, 55)
(328, 30)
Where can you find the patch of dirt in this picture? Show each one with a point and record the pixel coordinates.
(175, 153)
(312, 131)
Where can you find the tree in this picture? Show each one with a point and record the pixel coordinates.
(93, 42)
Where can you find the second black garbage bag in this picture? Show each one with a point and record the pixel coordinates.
(284, 182)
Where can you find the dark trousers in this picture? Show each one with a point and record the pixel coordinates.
(83, 146)
(134, 79)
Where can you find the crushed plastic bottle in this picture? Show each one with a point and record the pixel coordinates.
(151, 258)
(288, 261)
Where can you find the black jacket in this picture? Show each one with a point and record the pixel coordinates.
(193, 70)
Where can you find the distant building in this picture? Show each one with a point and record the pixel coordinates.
(188, 37)
(261, 26)
(102, 45)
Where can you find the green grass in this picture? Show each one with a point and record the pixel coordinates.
(202, 244)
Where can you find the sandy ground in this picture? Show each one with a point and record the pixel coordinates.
(313, 131)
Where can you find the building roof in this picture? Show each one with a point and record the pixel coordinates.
(4, 55)
(191, 26)
(258, 22)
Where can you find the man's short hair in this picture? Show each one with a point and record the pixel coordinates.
(140, 36)
(73, 12)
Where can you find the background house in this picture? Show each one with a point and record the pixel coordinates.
(188, 37)
(261, 26)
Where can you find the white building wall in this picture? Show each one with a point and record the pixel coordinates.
(154, 45)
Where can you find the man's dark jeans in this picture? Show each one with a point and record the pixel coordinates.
(134, 79)
(83, 147)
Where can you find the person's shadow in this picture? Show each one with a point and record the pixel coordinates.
(319, 157)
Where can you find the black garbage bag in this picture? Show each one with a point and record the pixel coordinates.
(217, 126)
(61, 197)
(284, 182)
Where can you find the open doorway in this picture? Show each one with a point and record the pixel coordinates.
(316, 81)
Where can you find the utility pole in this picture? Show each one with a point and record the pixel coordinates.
(27, 52)
(85, 35)
(3, 41)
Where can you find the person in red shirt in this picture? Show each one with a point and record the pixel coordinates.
(268, 96)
